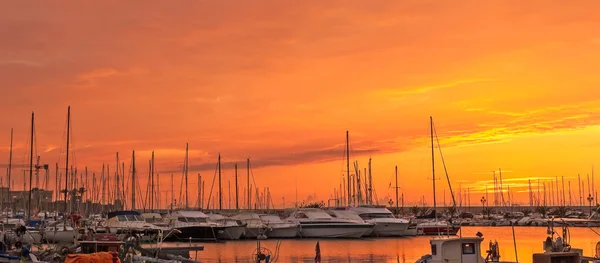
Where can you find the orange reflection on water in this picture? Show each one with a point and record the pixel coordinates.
(392, 250)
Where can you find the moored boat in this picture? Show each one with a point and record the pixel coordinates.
(315, 223)
(193, 226)
(386, 225)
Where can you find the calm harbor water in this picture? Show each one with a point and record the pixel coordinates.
(388, 250)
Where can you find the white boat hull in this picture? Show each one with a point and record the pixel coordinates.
(253, 232)
(232, 233)
(389, 229)
(283, 232)
(61, 236)
(32, 238)
(334, 231)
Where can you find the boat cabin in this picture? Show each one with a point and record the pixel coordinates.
(448, 250)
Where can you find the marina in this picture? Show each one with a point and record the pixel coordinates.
(299, 131)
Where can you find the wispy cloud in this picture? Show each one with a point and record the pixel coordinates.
(400, 93)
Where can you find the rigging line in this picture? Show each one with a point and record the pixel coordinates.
(255, 186)
(211, 187)
(444, 163)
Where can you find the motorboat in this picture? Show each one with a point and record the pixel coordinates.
(193, 226)
(232, 229)
(459, 249)
(156, 219)
(386, 225)
(60, 232)
(125, 223)
(350, 216)
(254, 224)
(277, 228)
(316, 223)
(437, 227)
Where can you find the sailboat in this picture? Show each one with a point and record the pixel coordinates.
(436, 226)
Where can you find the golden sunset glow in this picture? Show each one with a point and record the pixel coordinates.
(510, 84)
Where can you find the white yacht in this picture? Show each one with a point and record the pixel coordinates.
(277, 228)
(155, 219)
(316, 223)
(254, 224)
(193, 226)
(386, 225)
(233, 229)
(131, 222)
(343, 213)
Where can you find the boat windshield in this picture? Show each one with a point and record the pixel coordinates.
(270, 218)
(376, 215)
(192, 219)
(130, 218)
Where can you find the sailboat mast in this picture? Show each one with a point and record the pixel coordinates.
(237, 206)
(30, 167)
(248, 186)
(348, 166)
(433, 164)
(67, 157)
(186, 175)
(397, 189)
(220, 187)
(152, 183)
(133, 180)
(9, 172)
(370, 184)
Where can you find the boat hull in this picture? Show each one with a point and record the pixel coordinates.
(195, 233)
(439, 230)
(389, 229)
(253, 232)
(32, 238)
(283, 232)
(232, 232)
(334, 230)
(61, 236)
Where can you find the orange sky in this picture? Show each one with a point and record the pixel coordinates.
(511, 85)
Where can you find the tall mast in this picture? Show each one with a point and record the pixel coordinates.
(220, 187)
(432, 165)
(186, 175)
(133, 180)
(397, 189)
(152, 183)
(248, 182)
(172, 192)
(199, 191)
(103, 186)
(117, 182)
(9, 173)
(564, 202)
(370, 184)
(67, 157)
(123, 193)
(237, 206)
(579, 189)
(348, 165)
(30, 168)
